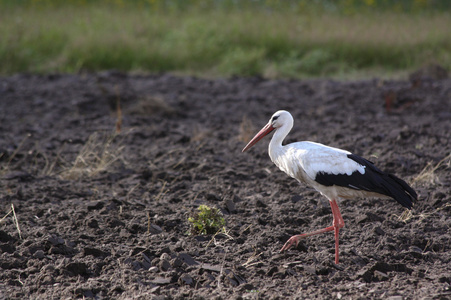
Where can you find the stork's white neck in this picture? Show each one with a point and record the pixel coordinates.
(275, 146)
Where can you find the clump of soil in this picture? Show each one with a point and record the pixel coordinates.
(104, 214)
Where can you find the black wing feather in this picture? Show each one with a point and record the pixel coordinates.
(373, 180)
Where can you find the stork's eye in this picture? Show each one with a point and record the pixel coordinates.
(274, 118)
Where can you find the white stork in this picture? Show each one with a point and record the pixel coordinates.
(333, 172)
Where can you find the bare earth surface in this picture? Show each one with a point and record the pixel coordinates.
(104, 216)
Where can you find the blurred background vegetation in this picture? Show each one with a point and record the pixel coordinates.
(344, 39)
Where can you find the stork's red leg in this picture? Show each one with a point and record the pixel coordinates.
(337, 224)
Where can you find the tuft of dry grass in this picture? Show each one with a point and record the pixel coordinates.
(150, 105)
(247, 130)
(223, 231)
(97, 155)
(118, 112)
(199, 134)
(15, 220)
(5, 168)
(252, 260)
(162, 192)
(50, 164)
(429, 175)
(406, 216)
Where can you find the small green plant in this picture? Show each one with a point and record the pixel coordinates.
(207, 220)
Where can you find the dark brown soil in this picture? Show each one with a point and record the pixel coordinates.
(105, 217)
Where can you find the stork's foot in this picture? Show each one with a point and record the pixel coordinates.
(338, 223)
(293, 240)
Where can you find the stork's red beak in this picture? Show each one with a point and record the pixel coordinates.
(264, 131)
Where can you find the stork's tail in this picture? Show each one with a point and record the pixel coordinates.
(386, 184)
(399, 190)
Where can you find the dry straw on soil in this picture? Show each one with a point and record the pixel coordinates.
(97, 155)
(429, 175)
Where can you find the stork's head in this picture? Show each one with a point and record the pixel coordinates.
(278, 119)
